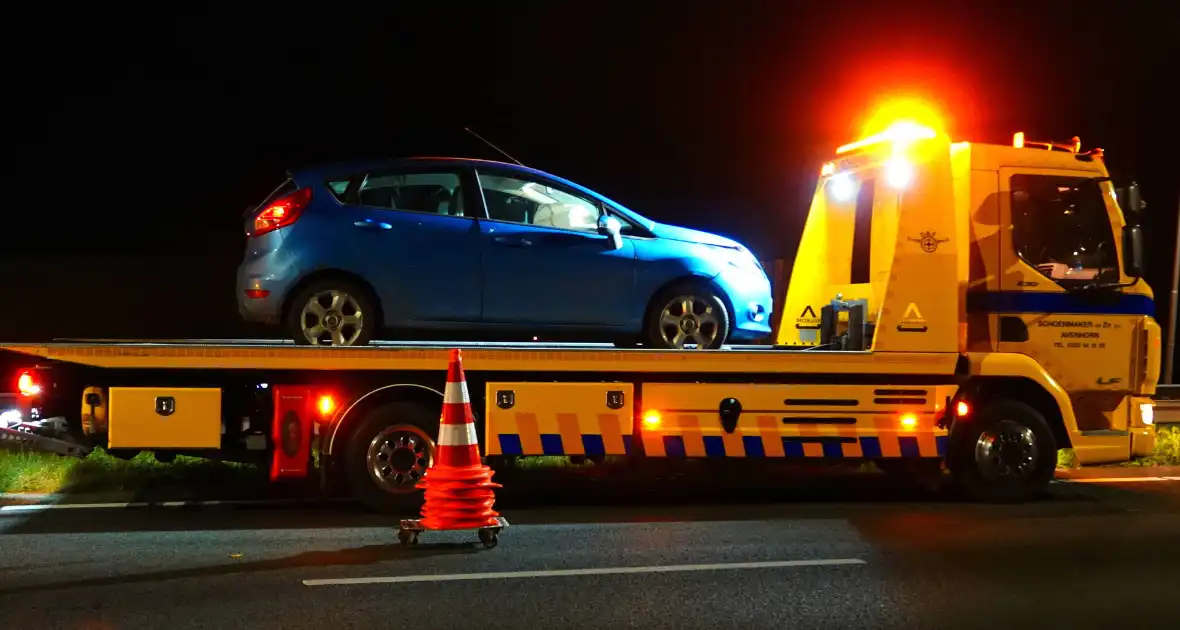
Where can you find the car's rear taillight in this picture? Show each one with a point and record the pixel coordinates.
(27, 384)
(281, 212)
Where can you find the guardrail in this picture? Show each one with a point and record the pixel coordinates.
(1167, 404)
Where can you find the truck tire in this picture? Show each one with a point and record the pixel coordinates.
(689, 312)
(1006, 453)
(341, 312)
(387, 453)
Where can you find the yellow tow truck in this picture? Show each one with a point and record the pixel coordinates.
(971, 306)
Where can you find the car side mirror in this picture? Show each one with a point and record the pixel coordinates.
(1134, 254)
(611, 228)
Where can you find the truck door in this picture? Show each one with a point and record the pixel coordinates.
(1058, 244)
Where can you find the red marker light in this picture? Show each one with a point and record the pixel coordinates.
(652, 419)
(27, 385)
(909, 420)
(962, 409)
(326, 405)
(257, 294)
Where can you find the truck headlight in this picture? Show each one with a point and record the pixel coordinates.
(1147, 413)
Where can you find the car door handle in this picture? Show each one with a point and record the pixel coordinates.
(369, 224)
(513, 241)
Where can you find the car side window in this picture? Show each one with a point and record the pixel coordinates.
(1060, 226)
(536, 203)
(432, 193)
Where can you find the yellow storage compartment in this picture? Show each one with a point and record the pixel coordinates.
(559, 418)
(164, 417)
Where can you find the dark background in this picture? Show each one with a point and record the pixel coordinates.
(135, 141)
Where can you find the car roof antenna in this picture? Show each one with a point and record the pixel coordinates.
(498, 149)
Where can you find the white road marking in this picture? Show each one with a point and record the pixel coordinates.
(1120, 479)
(511, 575)
(42, 507)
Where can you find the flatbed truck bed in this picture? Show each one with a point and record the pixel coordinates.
(478, 356)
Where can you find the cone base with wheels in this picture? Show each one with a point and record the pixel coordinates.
(489, 534)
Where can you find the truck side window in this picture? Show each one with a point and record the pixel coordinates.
(1060, 226)
(862, 234)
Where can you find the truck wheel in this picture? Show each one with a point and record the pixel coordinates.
(332, 312)
(1005, 454)
(690, 313)
(387, 454)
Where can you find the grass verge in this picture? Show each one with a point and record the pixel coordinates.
(100, 472)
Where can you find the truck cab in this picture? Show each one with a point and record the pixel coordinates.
(1019, 258)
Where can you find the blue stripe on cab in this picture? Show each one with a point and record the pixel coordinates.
(1095, 303)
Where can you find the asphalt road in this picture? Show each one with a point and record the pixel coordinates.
(1103, 555)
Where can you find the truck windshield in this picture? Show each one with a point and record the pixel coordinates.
(1061, 227)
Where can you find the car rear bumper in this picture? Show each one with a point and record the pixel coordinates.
(260, 299)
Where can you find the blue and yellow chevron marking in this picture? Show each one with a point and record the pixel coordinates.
(767, 440)
(753, 446)
(529, 419)
(882, 439)
(554, 444)
(562, 434)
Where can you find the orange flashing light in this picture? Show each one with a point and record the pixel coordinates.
(899, 133)
(652, 419)
(909, 421)
(326, 404)
(1018, 139)
(962, 409)
(828, 169)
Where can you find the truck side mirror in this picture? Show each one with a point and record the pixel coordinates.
(1129, 199)
(611, 228)
(1134, 254)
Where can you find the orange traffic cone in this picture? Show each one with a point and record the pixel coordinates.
(459, 489)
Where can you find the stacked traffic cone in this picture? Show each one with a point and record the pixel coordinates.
(459, 488)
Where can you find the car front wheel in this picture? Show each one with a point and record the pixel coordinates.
(687, 316)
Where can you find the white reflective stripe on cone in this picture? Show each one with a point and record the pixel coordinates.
(456, 394)
(457, 435)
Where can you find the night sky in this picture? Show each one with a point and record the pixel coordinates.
(138, 140)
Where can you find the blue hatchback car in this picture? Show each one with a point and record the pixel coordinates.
(337, 254)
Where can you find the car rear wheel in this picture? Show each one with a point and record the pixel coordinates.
(332, 313)
(688, 315)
